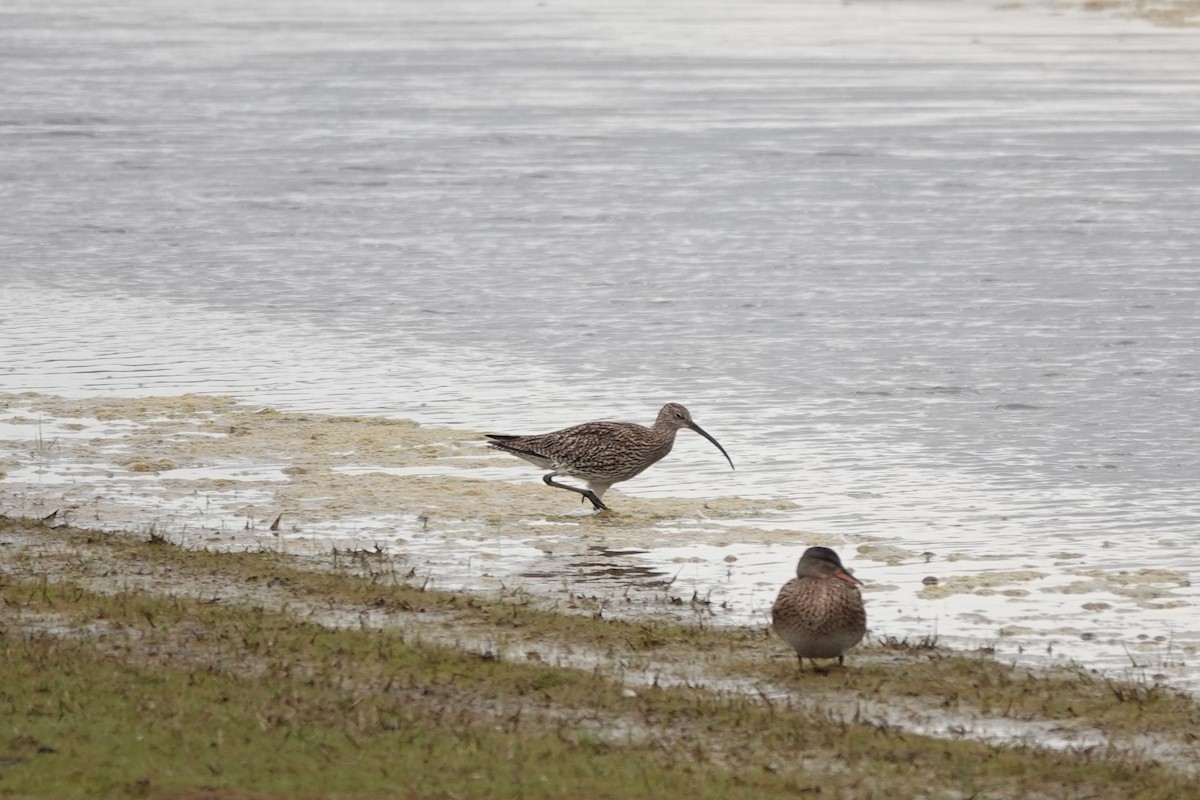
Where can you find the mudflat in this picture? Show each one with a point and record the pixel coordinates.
(138, 667)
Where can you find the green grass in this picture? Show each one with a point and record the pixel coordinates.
(111, 691)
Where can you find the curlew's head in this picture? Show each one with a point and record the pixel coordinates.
(821, 562)
(675, 416)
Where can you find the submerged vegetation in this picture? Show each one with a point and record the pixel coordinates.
(1167, 13)
(137, 668)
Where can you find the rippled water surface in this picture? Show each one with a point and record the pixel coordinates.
(928, 271)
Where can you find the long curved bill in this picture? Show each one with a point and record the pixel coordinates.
(704, 433)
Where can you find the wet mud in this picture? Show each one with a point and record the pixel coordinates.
(206, 471)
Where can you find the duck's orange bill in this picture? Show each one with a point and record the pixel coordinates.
(847, 577)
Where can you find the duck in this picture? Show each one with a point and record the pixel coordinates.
(820, 612)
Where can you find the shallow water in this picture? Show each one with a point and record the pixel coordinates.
(927, 271)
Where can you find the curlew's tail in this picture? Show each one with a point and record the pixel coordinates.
(504, 442)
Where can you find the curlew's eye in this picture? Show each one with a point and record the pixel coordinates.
(678, 415)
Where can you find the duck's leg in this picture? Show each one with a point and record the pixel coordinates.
(588, 493)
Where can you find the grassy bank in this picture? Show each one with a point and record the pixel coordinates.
(136, 668)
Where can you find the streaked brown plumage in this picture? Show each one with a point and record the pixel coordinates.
(820, 611)
(601, 453)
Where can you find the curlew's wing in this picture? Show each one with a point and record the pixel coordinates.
(590, 449)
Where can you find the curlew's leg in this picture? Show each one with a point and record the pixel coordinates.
(588, 493)
(841, 661)
(801, 660)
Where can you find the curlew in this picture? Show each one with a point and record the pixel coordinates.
(820, 611)
(601, 453)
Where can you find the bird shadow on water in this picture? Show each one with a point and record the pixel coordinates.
(605, 565)
(609, 519)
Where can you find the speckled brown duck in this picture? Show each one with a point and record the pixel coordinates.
(820, 611)
(602, 453)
